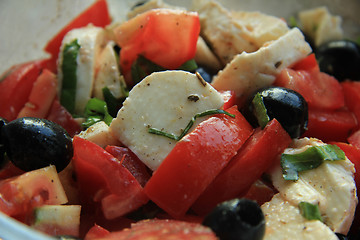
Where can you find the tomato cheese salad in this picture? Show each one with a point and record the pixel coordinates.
(198, 123)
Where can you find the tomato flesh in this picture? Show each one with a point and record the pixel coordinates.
(21, 194)
(252, 160)
(41, 96)
(129, 160)
(16, 85)
(157, 229)
(61, 116)
(195, 161)
(320, 90)
(102, 178)
(166, 37)
(328, 125)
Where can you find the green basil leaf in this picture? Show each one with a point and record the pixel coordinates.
(309, 159)
(310, 211)
(143, 67)
(189, 66)
(190, 124)
(260, 111)
(113, 104)
(69, 66)
(95, 111)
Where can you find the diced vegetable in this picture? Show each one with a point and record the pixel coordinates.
(341, 122)
(20, 195)
(320, 90)
(57, 219)
(183, 175)
(41, 97)
(102, 178)
(166, 37)
(157, 229)
(16, 85)
(252, 160)
(310, 211)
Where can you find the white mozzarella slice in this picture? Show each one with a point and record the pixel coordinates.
(320, 25)
(261, 28)
(284, 221)
(205, 57)
(100, 134)
(91, 40)
(226, 37)
(107, 74)
(248, 72)
(166, 101)
(331, 185)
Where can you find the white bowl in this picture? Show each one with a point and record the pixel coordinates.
(26, 26)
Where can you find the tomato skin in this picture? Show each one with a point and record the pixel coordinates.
(96, 232)
(16, 87)
(352, 97)
(61, 116)
(129, 160)
(158, 229)
(97, 14)
(166, 37)
(353, 154)
(21, 194)
(308, 63)
(252, 160)
(41, 96)
(331, 125)
(195, 161)
(320, 90)
(102, 178)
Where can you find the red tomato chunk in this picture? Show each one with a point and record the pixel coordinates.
(195, 161)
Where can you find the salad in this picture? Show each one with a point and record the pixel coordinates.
(198, 123)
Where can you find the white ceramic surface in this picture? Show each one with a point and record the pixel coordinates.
(25, 27)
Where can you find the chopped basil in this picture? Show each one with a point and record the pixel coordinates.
(69, 66)
(311, 158)
(189, 66)
(190, 124)
(310, 211)
(293, 22)
(143, 67)
(260, 111)
(113, 104)
(95, 111)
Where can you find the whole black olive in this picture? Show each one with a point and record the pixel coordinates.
(33, 143)
(286, 105)
(341, 236)
(340, 59)
(237, 219)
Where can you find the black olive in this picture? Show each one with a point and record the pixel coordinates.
(206, 73)
(341, 236)
(286, 105)
(340, 59)
(237, 219)
(33, 143)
